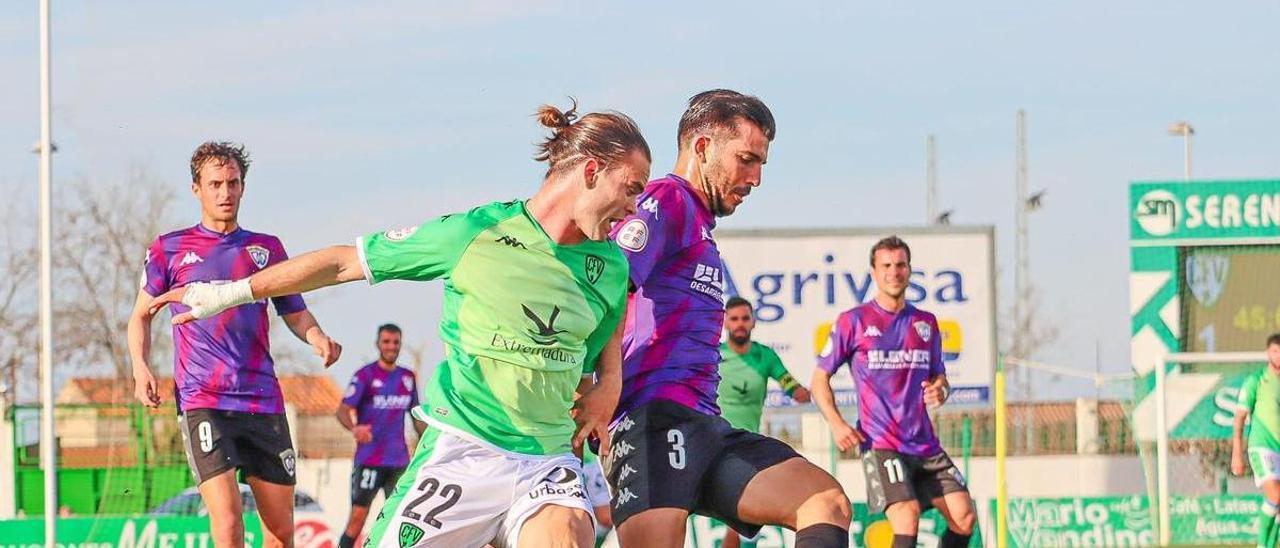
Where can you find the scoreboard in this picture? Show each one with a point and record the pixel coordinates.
(1230, 297)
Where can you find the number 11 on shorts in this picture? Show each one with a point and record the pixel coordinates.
(893, 468)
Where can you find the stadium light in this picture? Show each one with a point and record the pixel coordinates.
(1183, 129)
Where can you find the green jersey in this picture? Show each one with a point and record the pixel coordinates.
(1260, 396)
(744, 379)
(523, 319)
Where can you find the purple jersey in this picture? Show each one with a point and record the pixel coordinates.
(891, 355)
(222, 362)
(671, 346)
(381, 398)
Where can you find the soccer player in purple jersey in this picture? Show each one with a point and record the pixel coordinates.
(895, 353)
(228, 399)
(373, 410)
(673, 454)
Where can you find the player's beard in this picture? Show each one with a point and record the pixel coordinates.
(740, 339)
(715, 195)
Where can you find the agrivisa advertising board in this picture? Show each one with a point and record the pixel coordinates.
(800, 280)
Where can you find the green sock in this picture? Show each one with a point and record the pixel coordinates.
(1266, 524)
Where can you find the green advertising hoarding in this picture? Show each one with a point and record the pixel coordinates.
(121, 532)
(1128, 521)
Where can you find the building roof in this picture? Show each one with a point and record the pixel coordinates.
(308, 394)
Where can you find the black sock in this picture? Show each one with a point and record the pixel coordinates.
(347, 541)
(822, 535)
(953, 539)
(904, 541)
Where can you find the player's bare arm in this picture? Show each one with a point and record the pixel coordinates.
(845, 435)
(330, 266)
(594, 408)
(145, 387)
(304, 326)
(1237, 442)
(363, 433)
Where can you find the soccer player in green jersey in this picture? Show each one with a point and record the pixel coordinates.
(534, 297)
(1260, 400)
(745, 369)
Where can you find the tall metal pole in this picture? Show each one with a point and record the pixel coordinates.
(48, 443)
(1020, 276)
(931, 182)
(1186, 152)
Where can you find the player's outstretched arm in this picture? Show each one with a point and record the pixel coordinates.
(1237, 442)
(845, 435)
(323, 268)
(145, 387)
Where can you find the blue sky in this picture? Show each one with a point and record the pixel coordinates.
(364, 117)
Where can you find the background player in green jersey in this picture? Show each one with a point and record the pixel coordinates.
(745, 369)
(534, 297)
(1260, 400)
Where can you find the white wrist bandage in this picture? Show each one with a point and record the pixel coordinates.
(208, 299)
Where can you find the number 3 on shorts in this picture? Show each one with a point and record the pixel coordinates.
(676, 456)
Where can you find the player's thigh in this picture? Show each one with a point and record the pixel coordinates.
(776, 494)
(221, 496)
(556, 526)
(275, 508)
(454, 493)
(659, 458)
(957, 509)
(749, 485)
(656, 527)
(550, 507)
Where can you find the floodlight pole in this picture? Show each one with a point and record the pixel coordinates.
(48, 441)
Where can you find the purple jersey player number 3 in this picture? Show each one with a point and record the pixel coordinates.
(890, 355)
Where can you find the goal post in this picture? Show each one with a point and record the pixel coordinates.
(1176, 361)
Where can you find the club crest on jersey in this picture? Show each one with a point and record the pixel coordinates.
(400, 234)
(407, 382)
(1206, 277)
(595, 268)
(924, 330)
(633, 236)
(259, 254)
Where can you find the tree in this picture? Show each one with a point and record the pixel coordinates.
(101, 237)
(18, 294)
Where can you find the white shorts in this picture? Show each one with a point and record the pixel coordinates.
(597, 487)
(1265, 464)
(464, 493)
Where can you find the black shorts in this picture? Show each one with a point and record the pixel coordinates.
(257, 444)
(367, 480)
(666, 455)
(893, 477)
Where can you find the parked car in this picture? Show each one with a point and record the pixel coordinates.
(189, 503)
